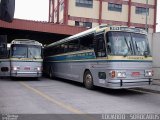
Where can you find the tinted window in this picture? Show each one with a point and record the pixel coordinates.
(115, 7)
(86, 42)
(84, 3)
(142, 10)
(73, 45)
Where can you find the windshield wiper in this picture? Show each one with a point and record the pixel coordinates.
(127, 46)
(138, 49)
(31, 54)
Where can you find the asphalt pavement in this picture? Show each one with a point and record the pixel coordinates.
(155, 87)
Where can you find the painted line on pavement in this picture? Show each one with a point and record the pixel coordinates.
(53, 100)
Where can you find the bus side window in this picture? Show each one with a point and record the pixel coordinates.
(86, 42)
(73, 45)
(100, 46)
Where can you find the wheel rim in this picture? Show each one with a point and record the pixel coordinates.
(88, 79)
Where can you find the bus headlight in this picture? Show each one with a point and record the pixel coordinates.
(15, 68)
(148, 73)
(38, 68)
(121, 74)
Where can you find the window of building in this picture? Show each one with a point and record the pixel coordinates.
(84, 3)
(77, 23)
(87, 24)
(115, 7)
(142, 10)
(83, 24)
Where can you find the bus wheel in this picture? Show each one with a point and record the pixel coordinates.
(88, 80)
(51, 73)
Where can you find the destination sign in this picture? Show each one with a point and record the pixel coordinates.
(135, 30)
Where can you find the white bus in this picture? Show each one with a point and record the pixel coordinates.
(24, 59)
(107, 56)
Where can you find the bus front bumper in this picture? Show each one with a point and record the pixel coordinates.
(119, 84)
(26, 74)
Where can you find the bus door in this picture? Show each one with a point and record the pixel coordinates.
(100, 49)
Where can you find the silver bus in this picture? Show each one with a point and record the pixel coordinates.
(24, 59)
(106, 56)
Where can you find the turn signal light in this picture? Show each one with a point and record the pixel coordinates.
(112, 74)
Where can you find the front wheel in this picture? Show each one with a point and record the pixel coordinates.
(88, 80)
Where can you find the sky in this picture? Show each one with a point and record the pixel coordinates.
(39, 9)
(32, 9)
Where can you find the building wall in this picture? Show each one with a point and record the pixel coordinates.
(141, 18)
(151, 2)
(112, 15)
(84, 11)
(154, 40)
(84, 14)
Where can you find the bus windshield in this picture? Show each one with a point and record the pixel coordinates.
(125, 43)
(25, 51)
(34, 52)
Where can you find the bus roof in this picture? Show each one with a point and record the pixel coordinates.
(101, 28)
(26, 41)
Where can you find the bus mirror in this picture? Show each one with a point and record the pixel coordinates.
(145, 53)
(7, 8)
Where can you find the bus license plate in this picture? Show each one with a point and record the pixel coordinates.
(136, 74)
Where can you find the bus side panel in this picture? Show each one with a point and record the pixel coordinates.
(78, 69)
(67, 70)
(62, 70)
(4, 67)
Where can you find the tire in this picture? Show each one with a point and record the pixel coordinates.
(51, 73)
(88, 80)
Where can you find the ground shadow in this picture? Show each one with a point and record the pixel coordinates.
(116, 92)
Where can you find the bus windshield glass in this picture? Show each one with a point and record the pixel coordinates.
(125, 43)
(34, 52)
(25, 51)
(141, 44)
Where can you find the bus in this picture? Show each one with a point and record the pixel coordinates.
(24, 59)
(106, 56)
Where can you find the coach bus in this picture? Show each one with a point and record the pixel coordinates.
(24, 59)
(106, 56)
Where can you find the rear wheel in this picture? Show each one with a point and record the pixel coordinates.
(88, 80)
